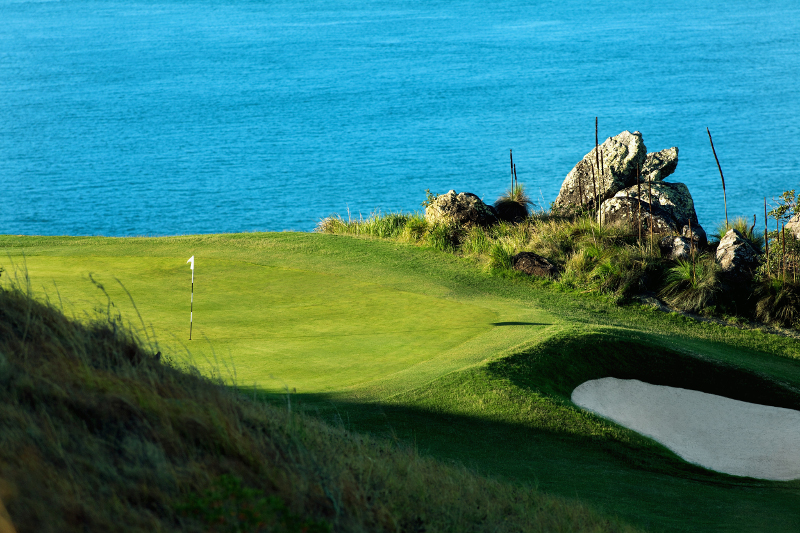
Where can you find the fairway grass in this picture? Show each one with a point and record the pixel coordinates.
(433, 349)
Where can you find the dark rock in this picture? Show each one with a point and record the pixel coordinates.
(736, 257)
(659, 165)
(622, 155)
(462, 209)
(675, 247)
(533, 264)
(697, 234)
(510, 211)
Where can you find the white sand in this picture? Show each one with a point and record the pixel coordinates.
(739, 438)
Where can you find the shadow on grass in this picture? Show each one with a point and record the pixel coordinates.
(520, 324)
(646, 486)
(631, 477)
(561, 363)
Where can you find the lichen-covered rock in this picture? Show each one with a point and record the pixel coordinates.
(462, 209)
(630, 212)
(736, 258)
(675, 199)
(793, 225)
(621, 155)
(675, 247)
(659, 165)
(533, 264)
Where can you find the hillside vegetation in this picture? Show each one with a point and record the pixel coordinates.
(613, 259)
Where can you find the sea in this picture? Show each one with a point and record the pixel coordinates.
(173, 117)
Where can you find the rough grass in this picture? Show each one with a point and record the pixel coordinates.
(611, 260)
(98, 433)
(592, 257)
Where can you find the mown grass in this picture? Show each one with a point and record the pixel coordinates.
(98, 433)
(495, 402)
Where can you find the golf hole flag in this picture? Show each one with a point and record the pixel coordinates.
(191, 302)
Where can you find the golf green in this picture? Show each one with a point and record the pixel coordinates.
(273, 327)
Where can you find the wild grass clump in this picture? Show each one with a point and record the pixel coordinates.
(443, 237)
(501, 254)
(778, 302)
(692, 285)
(387, 226)
(514, 205)
(99, 432)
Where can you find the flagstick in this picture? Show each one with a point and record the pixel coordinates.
(191, 302)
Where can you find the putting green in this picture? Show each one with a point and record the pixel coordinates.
(270, 326)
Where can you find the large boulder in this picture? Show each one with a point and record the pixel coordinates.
(659, 165)
(675, 200)
(533, 264)
(737, 259)
(621, 156)
(630, 212)
(462, 209)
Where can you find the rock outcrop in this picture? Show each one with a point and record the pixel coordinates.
(659, 165)
(673, 208)
(672, 198)
(463, 209)
(736, 257)
(533, 264)
(620, 155)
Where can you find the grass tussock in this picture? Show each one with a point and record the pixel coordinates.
(514, 205)
(692, 285)
(99, 433)
(778, 302)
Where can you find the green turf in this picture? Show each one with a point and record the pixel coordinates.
(428, 347)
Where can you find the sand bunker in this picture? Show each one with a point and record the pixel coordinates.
(739, 438)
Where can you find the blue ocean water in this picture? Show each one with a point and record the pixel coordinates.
(163, 117)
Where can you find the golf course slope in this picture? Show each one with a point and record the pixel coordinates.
(97, 433)
(431, 353)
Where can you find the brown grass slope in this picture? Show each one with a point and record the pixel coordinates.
(98, 434)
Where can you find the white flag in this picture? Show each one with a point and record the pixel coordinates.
(191, 260)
